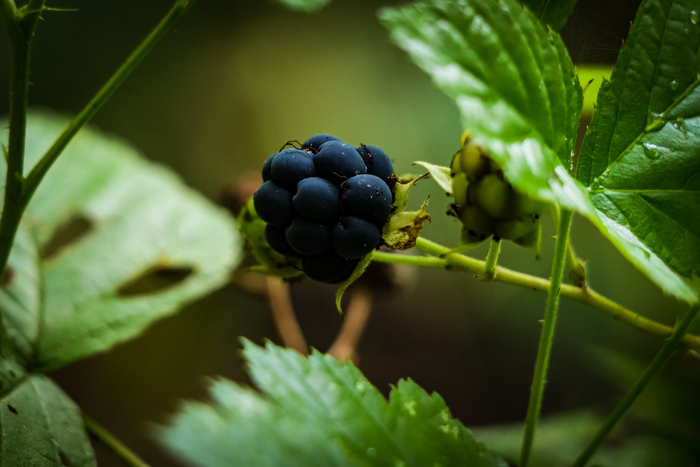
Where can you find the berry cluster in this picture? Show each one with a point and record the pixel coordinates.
(325, 203)
(487, 204)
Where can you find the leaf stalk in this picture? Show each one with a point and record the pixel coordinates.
(107, 439)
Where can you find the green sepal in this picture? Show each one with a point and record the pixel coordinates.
(271, 263)
(403, 227)
(440, 174)
(359, 270)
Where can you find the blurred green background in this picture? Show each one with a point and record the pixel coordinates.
(224, 90)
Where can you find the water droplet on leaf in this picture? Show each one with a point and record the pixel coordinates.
(651, 151)
(681, 126)
(371, 452)
(694, 17)
(673, 85)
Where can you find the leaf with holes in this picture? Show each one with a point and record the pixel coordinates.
(641, 156)
(39, 424)
(109, 244)
(346, 421)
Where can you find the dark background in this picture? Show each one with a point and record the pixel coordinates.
(222, 91)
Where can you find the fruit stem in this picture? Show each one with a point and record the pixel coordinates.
(491, 259)
(358, 313)
(547, 336)
(670, 347)
(283, 313)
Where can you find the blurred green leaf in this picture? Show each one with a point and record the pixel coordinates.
(561, 437)
(513, 82)
(303, 5)
(41, 426)
(551, 12)
(316, 411)
(109, 244)
(641, 157)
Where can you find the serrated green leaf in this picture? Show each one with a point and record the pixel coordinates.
(551, 12)
(71, 304)
(317, 411)
(41, 426)
(303, 5)
(513, 82)
(641, 157)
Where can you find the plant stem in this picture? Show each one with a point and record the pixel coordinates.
(20, 28)
(359, 309)
(669, 348)
(20, 25)
(547, 336)
(492, 259)
(108, 440)
(47, 160)
(283, 313)
(444, 258)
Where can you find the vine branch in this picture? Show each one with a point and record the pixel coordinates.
(19, 25)
(547, 337)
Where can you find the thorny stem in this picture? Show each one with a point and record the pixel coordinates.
(443, 257)
(670, 347)
(359, 310)
(283, 314)
(546, 338)
(119, 449)
(19, 25)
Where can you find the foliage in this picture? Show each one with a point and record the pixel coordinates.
(345, 420)
(85, 275)
(523, 107)
(104, 244)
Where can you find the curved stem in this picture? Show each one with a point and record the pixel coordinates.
(546, 338)
(359, 310)
(283, 313)
(108, 440)
(444, 258)
(669, 348)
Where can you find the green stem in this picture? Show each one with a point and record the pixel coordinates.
(492, 259)
(20, 26)
(47, 160)
(20, 191)
(547, 337)
(119, 449)
(445, 258)
(665, 353)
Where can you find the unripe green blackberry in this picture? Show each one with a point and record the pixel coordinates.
(487, 204)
